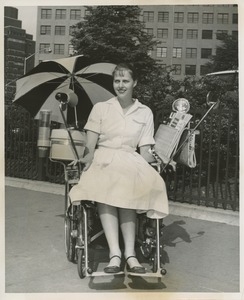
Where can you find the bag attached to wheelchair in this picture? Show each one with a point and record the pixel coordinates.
(175, 141)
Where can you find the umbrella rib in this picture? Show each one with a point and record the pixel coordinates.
(90, 76)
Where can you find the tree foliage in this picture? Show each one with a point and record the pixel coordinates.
(226, 57)
(115, 34)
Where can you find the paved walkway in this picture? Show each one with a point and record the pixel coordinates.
(200, 256)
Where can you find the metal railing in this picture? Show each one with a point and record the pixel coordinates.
(214, 182)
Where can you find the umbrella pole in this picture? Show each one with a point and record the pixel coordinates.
(61, 105)
(76, 120)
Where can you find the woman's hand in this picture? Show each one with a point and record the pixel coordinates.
(91, 142)
(87, 160)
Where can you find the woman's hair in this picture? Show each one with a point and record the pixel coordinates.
(128, 67)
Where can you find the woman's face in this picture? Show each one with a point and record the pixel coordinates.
(123, 84)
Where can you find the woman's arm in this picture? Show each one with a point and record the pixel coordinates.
(144, 151)
(91, 143)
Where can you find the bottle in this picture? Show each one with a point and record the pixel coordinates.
(43, 142)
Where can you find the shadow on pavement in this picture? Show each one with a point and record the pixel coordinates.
(171, 233)
(140, 283)
(117, 283)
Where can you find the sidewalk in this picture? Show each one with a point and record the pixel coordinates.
(200, 256)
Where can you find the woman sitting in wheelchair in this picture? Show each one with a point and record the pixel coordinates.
(116, 176)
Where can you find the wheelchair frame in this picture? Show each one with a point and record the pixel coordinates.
(79, 221)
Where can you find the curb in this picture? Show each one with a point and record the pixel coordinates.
(175, 208)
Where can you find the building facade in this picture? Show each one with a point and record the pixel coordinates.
(188, 34)
(17, 46)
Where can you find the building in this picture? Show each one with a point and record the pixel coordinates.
(54, 27)
(17, 46)
(188, 34)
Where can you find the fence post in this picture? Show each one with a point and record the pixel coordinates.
(41, 168)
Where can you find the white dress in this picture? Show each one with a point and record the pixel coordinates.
(118, 175)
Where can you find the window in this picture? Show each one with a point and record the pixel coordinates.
(223, 18)
(87, 12)
(161, 51)
(207, 18)
(176, 69)
(58, 48)
(60, 14)
(163, 16)
(72, 30)
(177, 52)
(45, 30)
(178, 33)
(71, 50)
(59, 30)
(149, 31)
(220, 34)
(43, 47)
(206, 53)
(192, 33)
(192, 17)
(162, 33)
(148, 16)
(179, 17)
(46, 14)
(235, 19)
(204, 70)
(75, 14)
(191, 52)
(207, 34)
(190, 70)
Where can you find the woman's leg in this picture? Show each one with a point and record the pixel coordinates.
(109, 219)
(128, 229)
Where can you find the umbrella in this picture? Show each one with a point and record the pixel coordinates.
(92, 82)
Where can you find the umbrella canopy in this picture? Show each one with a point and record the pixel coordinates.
(91, 82)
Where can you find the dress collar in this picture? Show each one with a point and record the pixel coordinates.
(114, 101)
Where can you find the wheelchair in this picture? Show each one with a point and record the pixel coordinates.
(82, 228)
(82, 224)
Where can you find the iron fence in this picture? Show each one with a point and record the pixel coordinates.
(214, 182)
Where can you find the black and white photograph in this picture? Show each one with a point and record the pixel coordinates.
(121, 150)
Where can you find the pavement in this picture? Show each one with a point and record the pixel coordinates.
(201, 252)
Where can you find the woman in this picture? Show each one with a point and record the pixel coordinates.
(116, 176)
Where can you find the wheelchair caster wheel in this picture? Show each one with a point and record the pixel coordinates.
(81, 263)
(163, 272)
(89, 271)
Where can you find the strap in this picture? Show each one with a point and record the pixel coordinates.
(115, 256)
(132, 256)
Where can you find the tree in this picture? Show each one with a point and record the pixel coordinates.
(226, 57)
(115, 34)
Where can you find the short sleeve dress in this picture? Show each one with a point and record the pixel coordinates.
(119, 176)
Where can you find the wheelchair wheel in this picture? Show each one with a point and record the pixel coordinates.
(81, 263)
(70, 241)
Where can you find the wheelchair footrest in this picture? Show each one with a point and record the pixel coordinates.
(101, 273)
(157, 274)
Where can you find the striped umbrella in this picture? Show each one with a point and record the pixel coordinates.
(91, 82)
